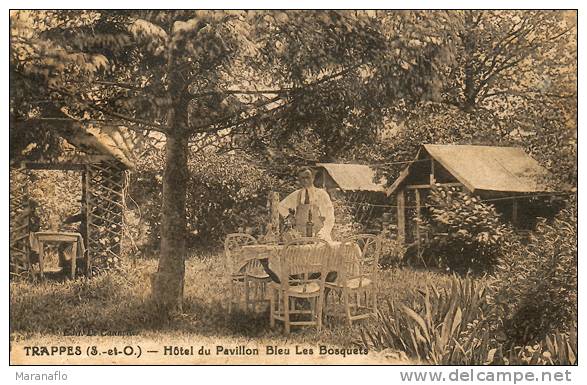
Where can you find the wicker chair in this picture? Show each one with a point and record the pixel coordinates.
(246, 278)
(300, 293)
(356, 283)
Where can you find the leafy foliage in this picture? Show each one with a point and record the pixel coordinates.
(196, 75)
(452, 326)
(467, 234)
(512, 83)
(225, 192)
(504, 55)
(392, 250)
(58, 195)
(536, 288)
(322, 83)
(445, 326)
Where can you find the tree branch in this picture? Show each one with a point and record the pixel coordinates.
(127, 86)
(209, 126)
(244, 92)
(153, 126)
(130, 119)
(555, 37)
(279, 91)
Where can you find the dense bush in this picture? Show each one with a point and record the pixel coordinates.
(536, 287)
(225, 192)
(524, 314)
(392, 250)
(344, 221)
(467, 234)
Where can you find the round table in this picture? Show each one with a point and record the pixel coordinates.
(268, 256)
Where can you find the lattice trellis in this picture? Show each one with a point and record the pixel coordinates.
(19, 220)
(105, 184)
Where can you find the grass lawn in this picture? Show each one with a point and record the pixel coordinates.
(118, 303)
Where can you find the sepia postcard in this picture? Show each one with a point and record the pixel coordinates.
(293, 187)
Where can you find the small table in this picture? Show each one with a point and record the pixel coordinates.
(38, 240)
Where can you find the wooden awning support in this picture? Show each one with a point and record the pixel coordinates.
(401, 216)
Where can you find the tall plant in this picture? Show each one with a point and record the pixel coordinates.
(536, 286)
(467, 233)
(445, 325)
(454, 326)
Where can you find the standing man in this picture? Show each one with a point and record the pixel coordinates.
(310, 205)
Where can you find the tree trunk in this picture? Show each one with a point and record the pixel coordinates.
(469, 104)
(470, 92)
(168, 282)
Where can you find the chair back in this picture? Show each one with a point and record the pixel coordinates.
(359, 256)
(233, 245)
(301, 260)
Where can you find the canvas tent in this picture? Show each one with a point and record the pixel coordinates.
(357, 184)
(348, 177)
(506, 174)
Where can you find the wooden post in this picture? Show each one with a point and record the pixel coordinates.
(274, 202)
(88, 211)
(122, 227)
(401, 215)
(432, 178)
(42, 259)
(323, 174)
(73, 259)
(85, 215)
(515, 212)
(417, 192)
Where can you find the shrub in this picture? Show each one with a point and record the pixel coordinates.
(452, 326)
(344, 222)
(467, 234)
(536, 287)
(445, 326)
(392, 250)
(555, 349)
(225, 193)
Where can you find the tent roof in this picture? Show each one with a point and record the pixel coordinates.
(353, 177)
(489, 168)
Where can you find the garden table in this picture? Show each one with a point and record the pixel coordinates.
(268, 255)
(39, 238)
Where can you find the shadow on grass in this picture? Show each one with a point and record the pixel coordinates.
(108, 304)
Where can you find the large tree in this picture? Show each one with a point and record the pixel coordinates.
(512, 82)
(257, 77)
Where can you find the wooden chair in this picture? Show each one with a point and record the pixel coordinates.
(302, 271)
(248, 274)
(356, 283)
